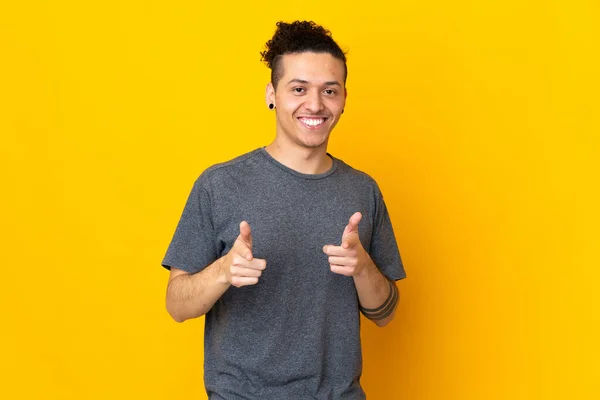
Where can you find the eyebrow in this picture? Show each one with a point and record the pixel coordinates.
(329, 83)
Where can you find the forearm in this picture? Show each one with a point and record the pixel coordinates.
(193, 295)
(377, 295)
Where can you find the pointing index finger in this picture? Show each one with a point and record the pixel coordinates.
(355, 219)
(246, 233)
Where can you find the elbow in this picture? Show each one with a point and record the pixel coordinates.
(382, 323)
(180, 317)
(384, 314)
(180, 314)
(177, 317)
(175, 312)
(175, 308)
(385, 321)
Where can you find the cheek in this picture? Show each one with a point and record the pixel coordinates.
(285, 114)
(290, 108)
(335, 106)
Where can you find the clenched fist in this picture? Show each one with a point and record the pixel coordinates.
(239, 267)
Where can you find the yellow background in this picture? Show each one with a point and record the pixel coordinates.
(479, 120)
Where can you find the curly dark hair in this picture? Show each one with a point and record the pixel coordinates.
(299, 37)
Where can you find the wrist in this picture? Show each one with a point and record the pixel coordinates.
(221, 270)
(367, 269)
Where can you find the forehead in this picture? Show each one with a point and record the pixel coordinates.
(312, 67)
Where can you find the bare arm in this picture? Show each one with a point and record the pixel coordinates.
(377, 295)
(193, 295)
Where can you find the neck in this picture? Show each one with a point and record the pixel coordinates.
(302, 159)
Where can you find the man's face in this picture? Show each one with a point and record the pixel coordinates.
(309, 99)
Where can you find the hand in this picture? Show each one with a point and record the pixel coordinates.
(350, 258)
(239, 267)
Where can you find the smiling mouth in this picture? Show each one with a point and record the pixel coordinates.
(312, 122)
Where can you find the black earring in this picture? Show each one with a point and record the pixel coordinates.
(271, 106)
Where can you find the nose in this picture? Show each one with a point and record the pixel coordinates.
(314, 103)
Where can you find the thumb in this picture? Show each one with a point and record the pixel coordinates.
(351, 229)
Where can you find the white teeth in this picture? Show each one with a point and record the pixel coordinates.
(313, 122)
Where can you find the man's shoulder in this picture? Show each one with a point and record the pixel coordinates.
(356, 175)
(234, 166)
(236, 162)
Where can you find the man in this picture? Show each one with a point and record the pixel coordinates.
(283, 247)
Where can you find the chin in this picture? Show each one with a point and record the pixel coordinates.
(312, 140)
(314, 144)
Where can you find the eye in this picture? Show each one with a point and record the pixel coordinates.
(298, 89)
(329, 92)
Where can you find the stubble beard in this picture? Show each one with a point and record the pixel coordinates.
(313, 144)
(298, 134)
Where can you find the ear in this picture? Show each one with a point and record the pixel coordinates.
(270, 94)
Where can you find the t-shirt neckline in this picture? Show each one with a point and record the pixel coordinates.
(289, 170)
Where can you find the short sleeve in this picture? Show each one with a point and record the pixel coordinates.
(193, 246)
(384, 249)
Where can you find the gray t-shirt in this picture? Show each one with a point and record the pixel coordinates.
(296, 333)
